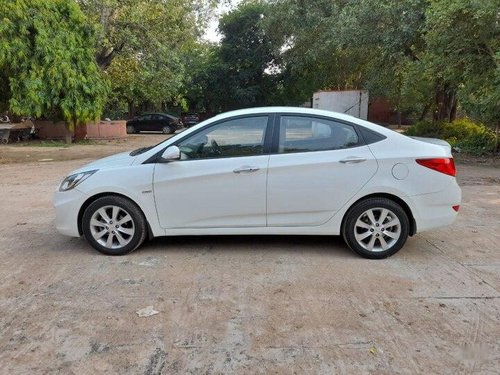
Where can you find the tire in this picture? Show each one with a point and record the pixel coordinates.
(167, 129)
(366, 232)
(131, 129)
(117, 218)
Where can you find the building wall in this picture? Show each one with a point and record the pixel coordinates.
(90, 130)
(351, 102)
(380, 111)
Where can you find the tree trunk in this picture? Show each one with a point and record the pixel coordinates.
(497, 128)
(425, 110)
(68, 136)
(445, 104)
(105, 56)
(131, 110)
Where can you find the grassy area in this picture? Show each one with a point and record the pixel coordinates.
(50, 143)
(54, 143)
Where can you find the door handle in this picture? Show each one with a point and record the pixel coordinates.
(352, 160)
(246, 169)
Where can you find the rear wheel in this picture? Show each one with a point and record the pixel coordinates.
(131, 129)
(376, 228)
(114, 225)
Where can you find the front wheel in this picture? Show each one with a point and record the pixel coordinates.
(376, 228)
(167, 129)
(114, 225)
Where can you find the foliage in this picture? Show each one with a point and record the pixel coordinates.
(47, 58)
(464, 134)
(239, 72)
(350, 45)
(430, 58)
(142, 47)
(425, 56)
(463, 43)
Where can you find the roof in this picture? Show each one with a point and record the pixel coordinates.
(305, 111)
(157, 113)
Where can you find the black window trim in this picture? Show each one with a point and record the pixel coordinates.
(268, 137)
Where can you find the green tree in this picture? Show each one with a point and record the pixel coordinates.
(47, 58)
(350, 45)
(240, 72)
(142, 46)
(425, 56)
(463, 54)
(202, 89)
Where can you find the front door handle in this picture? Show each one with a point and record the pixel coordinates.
(246, 169)
(352, 160)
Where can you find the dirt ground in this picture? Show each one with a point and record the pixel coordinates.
(241, 304)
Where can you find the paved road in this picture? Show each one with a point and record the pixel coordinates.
(246, 304)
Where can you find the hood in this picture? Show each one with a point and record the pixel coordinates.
(119, 160)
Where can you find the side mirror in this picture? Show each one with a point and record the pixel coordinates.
(170, 154)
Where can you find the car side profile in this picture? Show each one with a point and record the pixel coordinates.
(163, 122)
(272, 170)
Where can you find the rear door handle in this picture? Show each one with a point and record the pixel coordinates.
(246, 169)
(352, 160)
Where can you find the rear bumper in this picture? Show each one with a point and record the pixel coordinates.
(435, 210)
(67, 205)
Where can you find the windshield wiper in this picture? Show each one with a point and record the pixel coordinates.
(140, 151)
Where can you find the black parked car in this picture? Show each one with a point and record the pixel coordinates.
(163, 122)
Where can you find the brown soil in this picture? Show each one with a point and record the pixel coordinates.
(241, 304)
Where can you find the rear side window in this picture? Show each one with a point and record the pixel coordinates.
(306, 134)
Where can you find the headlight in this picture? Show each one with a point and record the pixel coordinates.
(71, 181)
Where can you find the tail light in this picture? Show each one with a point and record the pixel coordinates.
(456, 208)
(443, 165)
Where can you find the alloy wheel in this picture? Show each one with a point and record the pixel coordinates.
(112, 227)
(377, 229)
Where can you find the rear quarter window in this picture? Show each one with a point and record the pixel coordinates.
(370, 136)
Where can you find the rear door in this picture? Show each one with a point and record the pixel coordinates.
(156, 123)
(318, 165)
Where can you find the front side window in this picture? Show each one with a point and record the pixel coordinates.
(305, 134)
(231, 138)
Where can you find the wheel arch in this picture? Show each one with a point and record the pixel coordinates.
(95, 197)
(395, 198)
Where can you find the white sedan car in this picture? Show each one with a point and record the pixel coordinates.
(275, 170)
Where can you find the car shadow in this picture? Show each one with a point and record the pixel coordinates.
(333, 245)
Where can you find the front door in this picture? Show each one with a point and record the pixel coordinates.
(220, 180)
(319, 165)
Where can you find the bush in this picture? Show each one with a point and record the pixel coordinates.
(463, 135)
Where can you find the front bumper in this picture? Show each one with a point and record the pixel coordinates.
(67, 205)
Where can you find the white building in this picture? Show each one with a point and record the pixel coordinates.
(351, 102)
